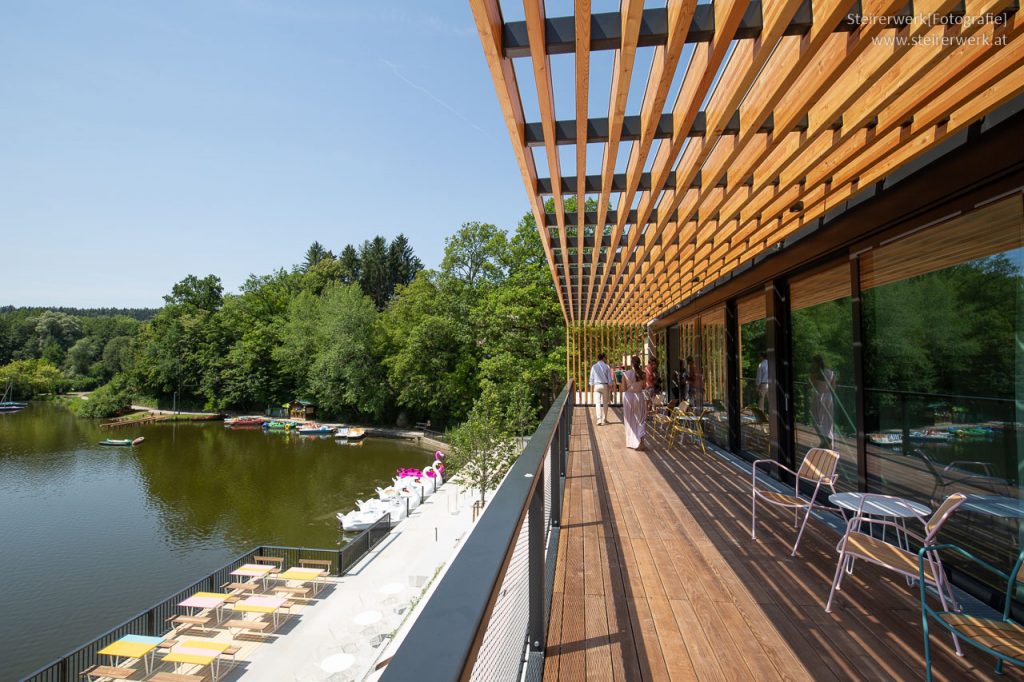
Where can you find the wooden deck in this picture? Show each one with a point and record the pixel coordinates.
(657, 578)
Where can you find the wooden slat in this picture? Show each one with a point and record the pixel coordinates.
(546, 102)
(622, 69)
(487, 15)
(786, 65)
(582, 20)
(916, 88)
(743, 67)
(704, 63)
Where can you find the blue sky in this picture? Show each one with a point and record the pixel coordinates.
(143, 141)
(146, 140)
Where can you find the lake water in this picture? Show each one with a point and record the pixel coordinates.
(91, 535)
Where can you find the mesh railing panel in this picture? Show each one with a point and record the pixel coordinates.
(501, 651)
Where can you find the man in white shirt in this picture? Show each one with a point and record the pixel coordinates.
(601, 379)
(762, 382)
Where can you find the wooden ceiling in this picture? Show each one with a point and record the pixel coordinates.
(784, 112)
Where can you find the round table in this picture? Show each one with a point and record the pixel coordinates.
(337, 663)
(889, 506)
(880, 505)
(995, 505)
(367, 617)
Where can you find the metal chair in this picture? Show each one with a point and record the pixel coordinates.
(955, 474)
(818, 467)
(856, 544)
(1002, 637)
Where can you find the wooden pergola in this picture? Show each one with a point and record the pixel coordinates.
(785, 112)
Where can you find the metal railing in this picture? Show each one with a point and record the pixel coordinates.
(487, 618)
(153, 621)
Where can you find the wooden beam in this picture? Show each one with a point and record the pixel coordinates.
(487, 15)
(546, 102)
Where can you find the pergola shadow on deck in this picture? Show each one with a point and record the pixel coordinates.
(657, 578)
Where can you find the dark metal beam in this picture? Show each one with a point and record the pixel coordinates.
(606, 29)
(593, 183)
(589, 241)
(597, 129)
(590, 217)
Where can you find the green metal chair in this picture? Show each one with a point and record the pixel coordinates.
(1001, 637)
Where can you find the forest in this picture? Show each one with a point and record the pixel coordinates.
(366, 333)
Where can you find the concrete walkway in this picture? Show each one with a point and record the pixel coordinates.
(352, 624)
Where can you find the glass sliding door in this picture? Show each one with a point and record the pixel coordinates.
(753, 372)
(942, 314)
(824, 393)
(713, 358)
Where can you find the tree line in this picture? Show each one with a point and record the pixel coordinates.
(366, 334)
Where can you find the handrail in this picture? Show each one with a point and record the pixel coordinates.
(444, 641)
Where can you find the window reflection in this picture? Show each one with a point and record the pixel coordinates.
(943, 370)
(754, 432)
(823, 384)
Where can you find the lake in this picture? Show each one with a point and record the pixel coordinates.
(92, 535)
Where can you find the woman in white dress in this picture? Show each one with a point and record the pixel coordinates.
(634, 405)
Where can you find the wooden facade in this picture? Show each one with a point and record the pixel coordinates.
(785, 112)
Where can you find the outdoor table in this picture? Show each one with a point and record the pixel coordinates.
(199, 652)
(206, 600)
(132, 646)
(261, 603)
(337, 663)
(260, 571)
(995, 505)
(304, 575)
(888, 506)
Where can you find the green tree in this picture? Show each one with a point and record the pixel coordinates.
(480, 453)
(375, 271)
(474, 254)
(30, 378)
(402, 261)
(110, 400)
(351, 267)
(430, 352)
(316, 253)
(200, 294)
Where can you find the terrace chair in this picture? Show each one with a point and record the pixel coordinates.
(857, 544)
(686, 423)
(660, 414)
(818, 467)
(954, 473)
(1002, 637)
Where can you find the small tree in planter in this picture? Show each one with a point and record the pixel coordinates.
(480, 454)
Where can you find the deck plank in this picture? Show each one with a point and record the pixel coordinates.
(657, 578)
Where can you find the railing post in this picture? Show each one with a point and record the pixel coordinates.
(535, 550)
(555, 483)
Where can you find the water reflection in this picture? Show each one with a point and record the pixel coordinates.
(95, 534)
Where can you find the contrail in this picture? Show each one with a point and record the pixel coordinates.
(429, 94)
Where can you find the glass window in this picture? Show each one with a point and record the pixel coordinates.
(944, 370)
(689, 351)
(713, 399)
(755, 437)
(824, 394)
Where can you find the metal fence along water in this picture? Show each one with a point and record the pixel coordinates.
(153, 621)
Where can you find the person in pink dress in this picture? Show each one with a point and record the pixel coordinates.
(634, 405)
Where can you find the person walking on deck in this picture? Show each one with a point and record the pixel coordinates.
(601, 380)
(634, 405)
